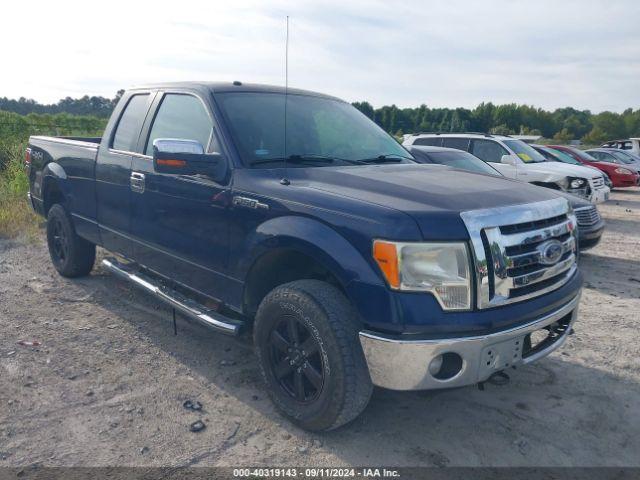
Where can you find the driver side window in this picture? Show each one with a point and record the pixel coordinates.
(181, 116)
(488, 150)
(605, 157)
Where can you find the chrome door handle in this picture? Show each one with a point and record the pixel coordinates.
(137, 182)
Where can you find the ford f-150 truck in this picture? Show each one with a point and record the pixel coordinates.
(291, 215)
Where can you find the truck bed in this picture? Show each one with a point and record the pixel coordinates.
(91, 142)
(72, 160)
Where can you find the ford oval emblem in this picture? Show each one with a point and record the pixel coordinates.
(550, 252)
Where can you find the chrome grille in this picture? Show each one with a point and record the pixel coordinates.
(598, 182)
(587, 216)
(521, 251)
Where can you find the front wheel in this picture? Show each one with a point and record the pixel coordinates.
(72, 256)
(306, 338)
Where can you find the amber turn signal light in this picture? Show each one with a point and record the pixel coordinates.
(386, 255)
(171, 163)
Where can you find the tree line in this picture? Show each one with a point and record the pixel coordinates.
(562, 124)
(87, 105)
(15, 130)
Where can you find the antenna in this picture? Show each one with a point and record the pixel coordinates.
(284, 181)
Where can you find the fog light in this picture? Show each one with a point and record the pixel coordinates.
(445, 366)
(435, 365)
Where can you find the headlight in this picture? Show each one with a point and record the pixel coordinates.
(439, 268)
(577, 183)
(623, 171)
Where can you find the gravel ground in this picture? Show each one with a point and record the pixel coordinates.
(107, 383)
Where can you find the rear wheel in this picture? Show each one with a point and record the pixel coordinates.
(306, 338)
(72, 256)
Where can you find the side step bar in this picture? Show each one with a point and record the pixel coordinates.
(187, 306)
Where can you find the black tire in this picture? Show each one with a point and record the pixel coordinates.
(328, 345)
(71, 255)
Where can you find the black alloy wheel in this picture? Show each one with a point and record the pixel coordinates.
(295, 360)
(59, 241)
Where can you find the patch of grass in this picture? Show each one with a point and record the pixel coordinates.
(16, 216)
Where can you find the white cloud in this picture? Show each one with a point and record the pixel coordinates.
(442, 53)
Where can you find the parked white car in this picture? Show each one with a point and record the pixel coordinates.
(632, 144)
(515, 159)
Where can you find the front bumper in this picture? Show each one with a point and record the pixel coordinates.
(622, 181)
(599, 195)
(589, 237)
(404, 364)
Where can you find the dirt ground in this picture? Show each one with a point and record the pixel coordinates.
(107, 384)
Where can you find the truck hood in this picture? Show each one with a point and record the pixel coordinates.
(562, 169)
(434, 195)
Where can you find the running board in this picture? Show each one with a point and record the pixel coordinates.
(181, 303)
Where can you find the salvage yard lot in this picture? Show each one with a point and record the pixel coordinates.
(107, 383)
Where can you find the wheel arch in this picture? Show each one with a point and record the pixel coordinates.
(291, 248)
(54, 186)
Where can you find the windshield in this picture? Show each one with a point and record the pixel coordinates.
(561, 156)
(463, 161)
(320, 131)
(622, 157)
(632, 156)
(526, 152)
(583, 155)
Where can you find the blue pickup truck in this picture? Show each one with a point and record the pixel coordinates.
(292, 216)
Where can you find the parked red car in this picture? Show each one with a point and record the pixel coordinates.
(620, 176)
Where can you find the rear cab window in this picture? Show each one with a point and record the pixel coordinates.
(130, 123)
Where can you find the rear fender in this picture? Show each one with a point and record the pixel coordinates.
(55, 185)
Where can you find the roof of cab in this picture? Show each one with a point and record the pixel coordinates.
(235, 86)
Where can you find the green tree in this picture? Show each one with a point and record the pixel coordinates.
(366, 108)
(502, 130)
(610, 124)
(563, 136)
(596, 137)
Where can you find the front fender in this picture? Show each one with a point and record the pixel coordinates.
(313, 238)
(363, 285)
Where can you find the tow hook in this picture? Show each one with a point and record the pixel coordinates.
(498, 378)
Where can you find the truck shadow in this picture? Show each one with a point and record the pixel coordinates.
(550, 413)
(628, 203)
(625, 284)
(628, 191)
(621, 225)
(558, 411)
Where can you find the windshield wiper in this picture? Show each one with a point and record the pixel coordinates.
(307, 157)
(389, 158)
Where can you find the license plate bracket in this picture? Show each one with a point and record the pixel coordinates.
(500, 356)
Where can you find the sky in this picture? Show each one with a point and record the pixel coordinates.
(449, 53)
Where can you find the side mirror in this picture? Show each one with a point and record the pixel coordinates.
(186, 157)
(508, 160)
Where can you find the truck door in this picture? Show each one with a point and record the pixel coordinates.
(113, 173)
(180, 222)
